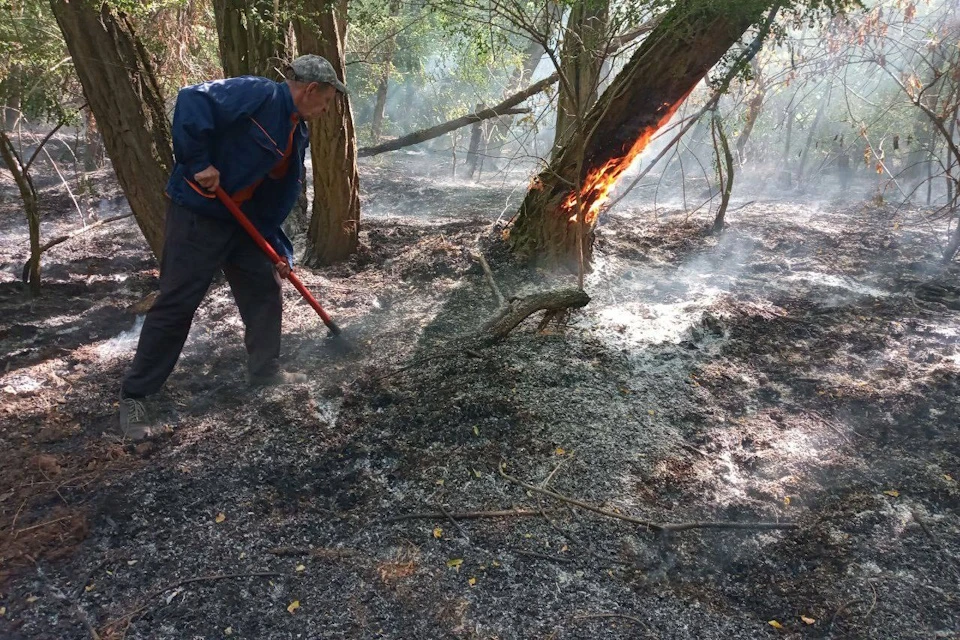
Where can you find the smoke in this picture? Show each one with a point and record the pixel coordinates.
(122, 344)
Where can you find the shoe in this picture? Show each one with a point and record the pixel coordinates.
(134, 424)
(278, 378)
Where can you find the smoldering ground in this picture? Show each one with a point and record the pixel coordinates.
(800, 368)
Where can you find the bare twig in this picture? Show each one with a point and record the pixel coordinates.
(501, 302)
(465, 515)
(542, 556)
(453, 521)
(651, 526)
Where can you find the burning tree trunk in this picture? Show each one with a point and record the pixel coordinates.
(581, 59)
(334, 225)
(691, 38)
(250, 36)
(124, 96)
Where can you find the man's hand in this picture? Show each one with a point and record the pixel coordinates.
(209, 178)
(283, 269)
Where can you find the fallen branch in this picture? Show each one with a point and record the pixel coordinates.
(651, 526)
(209, 578)
(504, 108)
(542, 556)
(497, 328)
(328, 554)
(465, 515)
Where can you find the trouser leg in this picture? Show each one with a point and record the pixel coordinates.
(194, 247)
(256, 288)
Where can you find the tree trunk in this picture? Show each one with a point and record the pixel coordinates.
(725, 171)
(335, 223)
(120, 87)
(581, 58)
(786, 177)
(473, 152)
(814, 129)
(14, 88)
(754, 107)
(383, 85)
(376, 125)
(251, 36)
(28, 194)
(685, 44)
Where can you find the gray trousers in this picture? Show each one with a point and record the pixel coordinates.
(195, 248)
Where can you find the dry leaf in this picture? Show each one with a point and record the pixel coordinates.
(948, 477)
(32, 599)
(293, 606)
(228, 631)
(440, 482)
(775, 624)
(651, 411)
(455, 563)
(808, 620)
(3, 611)
(220, 518)
(90, 587)
(893, 493)
(300, 568)
(476, 430)
(472, 581)
(786, 500)
(559, 451)
(437, 532)
(564, 548)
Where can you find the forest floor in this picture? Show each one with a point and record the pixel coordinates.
(801, 368)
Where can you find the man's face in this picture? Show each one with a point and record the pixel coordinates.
(316, 100)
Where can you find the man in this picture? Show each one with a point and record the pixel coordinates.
(248, 136)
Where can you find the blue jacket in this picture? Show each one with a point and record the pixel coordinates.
(241, 126)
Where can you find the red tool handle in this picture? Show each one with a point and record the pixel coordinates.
(275, 259)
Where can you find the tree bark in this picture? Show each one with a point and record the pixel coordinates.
(251, 36)
(685, 44)
(581, 59)
(335, 224)
(473, 152)
(123, 93)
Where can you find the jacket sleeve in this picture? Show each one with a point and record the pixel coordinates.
(205, 110)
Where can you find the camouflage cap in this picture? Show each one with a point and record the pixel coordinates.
(311, 68)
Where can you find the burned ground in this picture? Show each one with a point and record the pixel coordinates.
(802, 367)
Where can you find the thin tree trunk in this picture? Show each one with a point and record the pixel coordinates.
(376, 126)
(335, 224)
(811, 136)
(786, 179)
(473, 152)
(12, 98)
(754, 107)
(581, 58)
(685, 44)
(119, 84)
(28, 194)
(725, 172)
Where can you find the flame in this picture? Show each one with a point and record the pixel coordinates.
(601, 180)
